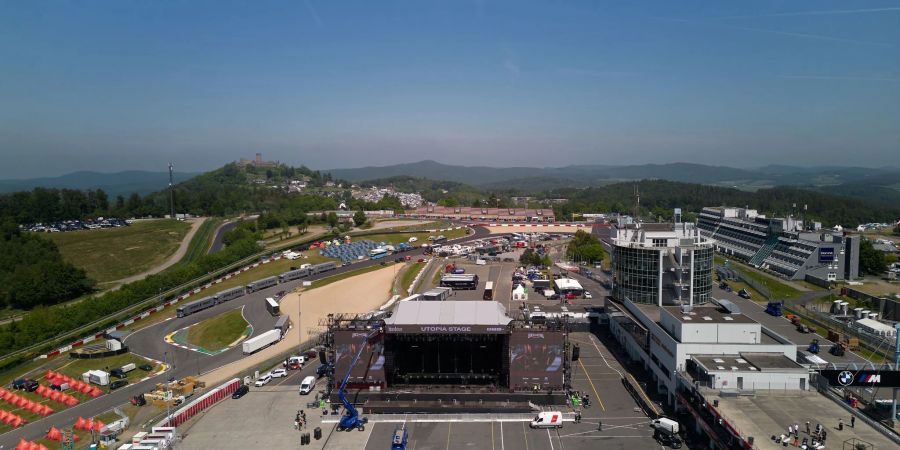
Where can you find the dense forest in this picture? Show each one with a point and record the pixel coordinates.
(32, 272)
(659, 198)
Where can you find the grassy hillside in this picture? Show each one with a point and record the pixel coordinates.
(115, 253)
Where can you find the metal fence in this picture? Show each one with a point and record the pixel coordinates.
(882, 344)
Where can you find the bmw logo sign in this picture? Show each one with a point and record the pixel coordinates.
(845, 378)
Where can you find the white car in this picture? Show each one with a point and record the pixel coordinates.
(278, 373)
(413, 239)
(263, 380)
(588, 295)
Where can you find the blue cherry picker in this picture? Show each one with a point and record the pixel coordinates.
(351, 418)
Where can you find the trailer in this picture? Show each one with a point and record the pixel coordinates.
(230, 294)
(272, 306)
(262, 284)
(465, 281)
(264, 340)
(293, 275)
(437, 294)
(283, 324)
(196, 306)
(324, 267)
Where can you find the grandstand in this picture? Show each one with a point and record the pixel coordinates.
(350, 252)
(781, 245)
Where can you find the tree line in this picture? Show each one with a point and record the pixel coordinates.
(659, 198)
(32, 271)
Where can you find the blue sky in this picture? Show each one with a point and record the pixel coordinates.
(114, 85)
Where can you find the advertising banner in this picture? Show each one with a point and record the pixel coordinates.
(369, 370)
(536, 358)
(826, 254)
(864, 378)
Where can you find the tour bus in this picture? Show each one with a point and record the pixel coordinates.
(377, 253)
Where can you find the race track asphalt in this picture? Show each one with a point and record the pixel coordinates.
(149, 342)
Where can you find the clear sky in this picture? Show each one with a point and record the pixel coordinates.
(114, 85)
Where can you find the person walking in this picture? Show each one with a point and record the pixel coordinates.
(807, 427)
(599, 425)
(797, 430)
(852, 421)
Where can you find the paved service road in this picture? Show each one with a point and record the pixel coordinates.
(217, 244)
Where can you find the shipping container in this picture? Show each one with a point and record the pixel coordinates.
(196, 306)
(262, 284)
(263, 340)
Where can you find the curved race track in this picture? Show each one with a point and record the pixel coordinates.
(149, 342)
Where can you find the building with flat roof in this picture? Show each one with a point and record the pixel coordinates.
(661, 264)
(665, 339)
(782, 245)
(479, 213)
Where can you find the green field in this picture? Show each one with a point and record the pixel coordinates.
(396, 238)
(218, 332)
(410, 274)
(115, 253)
(75, 367)
(201, 241)
(777, 289)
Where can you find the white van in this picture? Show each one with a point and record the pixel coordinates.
(307, 385)
(547, 419)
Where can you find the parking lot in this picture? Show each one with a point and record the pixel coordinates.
(265, 417)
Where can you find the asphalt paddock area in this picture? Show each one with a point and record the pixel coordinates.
(621, 433)
(264, 419)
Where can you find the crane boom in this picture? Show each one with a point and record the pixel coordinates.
(351, 419)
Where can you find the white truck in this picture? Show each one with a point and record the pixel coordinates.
(262, 341)
(665, 425)
(665, 431)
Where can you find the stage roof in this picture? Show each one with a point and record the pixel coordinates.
(449, 313)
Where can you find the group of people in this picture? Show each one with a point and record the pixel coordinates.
(300, 420)
(815, 438)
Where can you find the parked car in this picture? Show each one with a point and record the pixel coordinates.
(145, 367)
(118, 373)
(263, 380)
(118, 384)
(241, 391)
(587, 294)
(278, 373)
(25, 384)
(571, 296)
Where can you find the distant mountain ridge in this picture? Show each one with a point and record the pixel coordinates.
(116, 183)
(846, 181)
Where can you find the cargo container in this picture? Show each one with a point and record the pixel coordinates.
(437, 294)
(272, 306)
(263, 340)
(230, 294)
(324, 267)
(293, 275)
(196, 306)
(283, 324)
(262, 284)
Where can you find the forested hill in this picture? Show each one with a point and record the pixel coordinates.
(658, 198)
